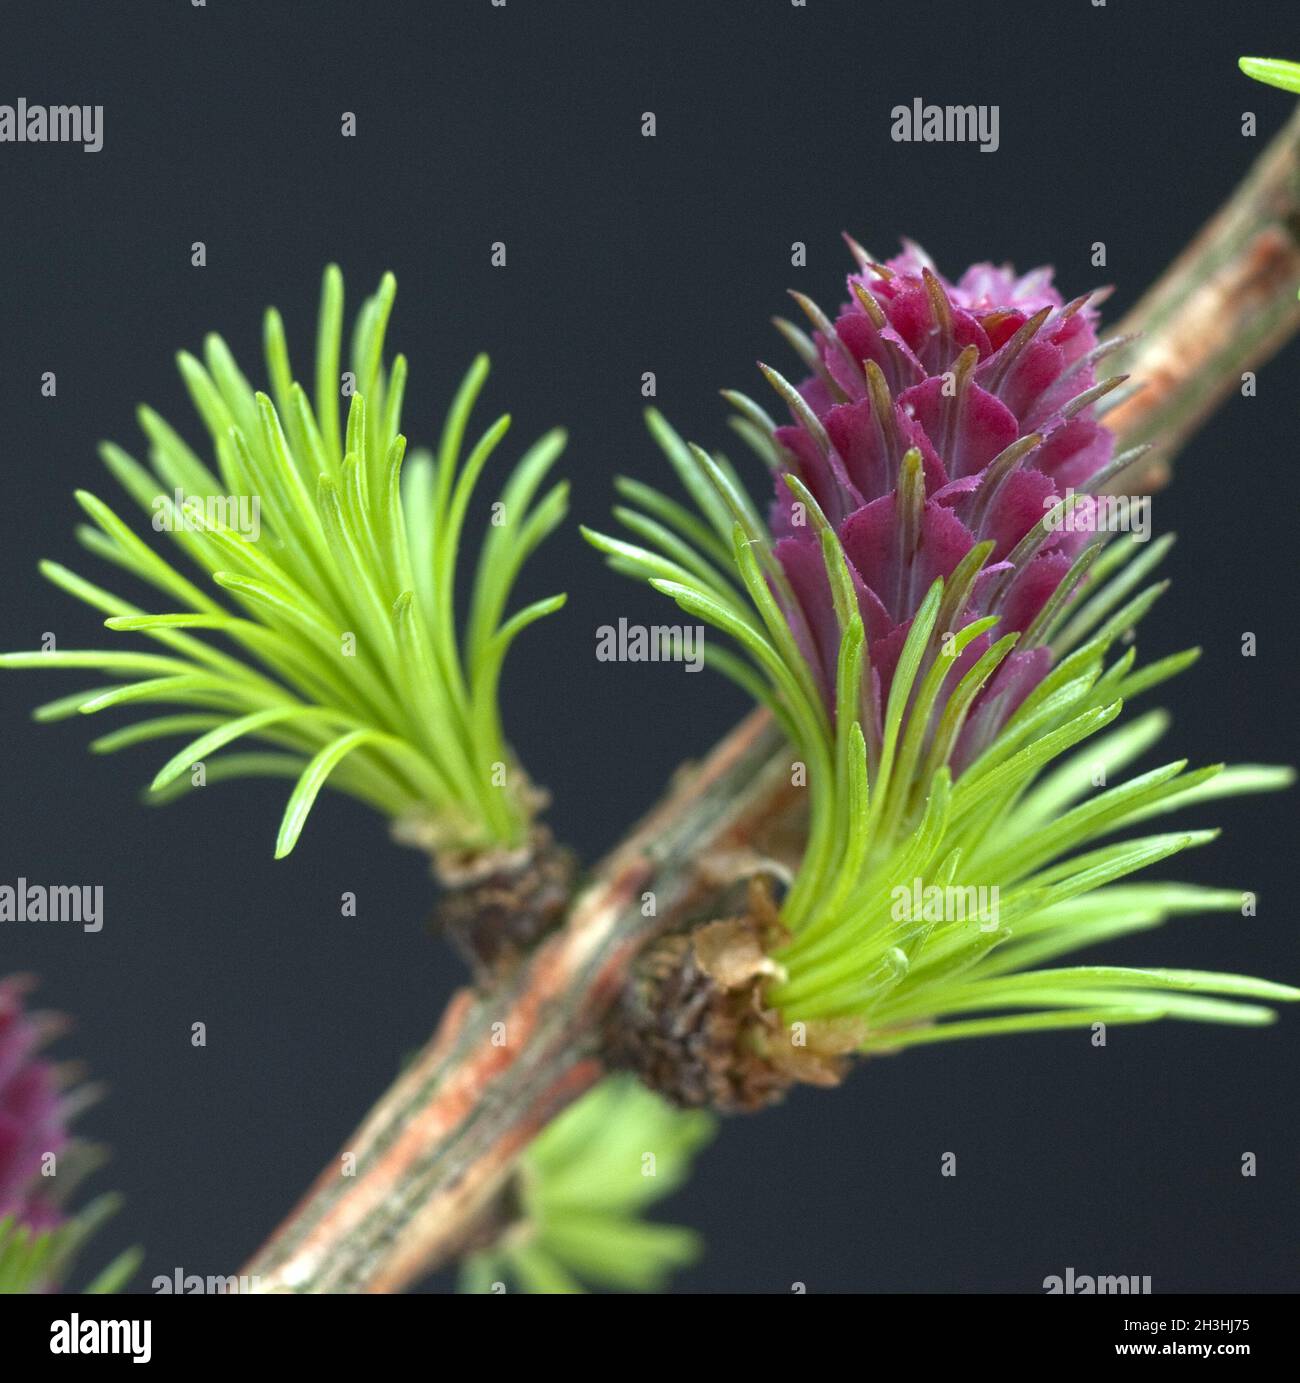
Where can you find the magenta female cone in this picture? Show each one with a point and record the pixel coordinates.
(941, 417)
(33, 1117)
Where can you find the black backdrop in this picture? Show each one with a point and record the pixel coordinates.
(521, 123)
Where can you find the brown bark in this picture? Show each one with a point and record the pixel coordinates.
(1225, 305)
(442, 1140)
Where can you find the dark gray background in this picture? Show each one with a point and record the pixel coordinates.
(626, 254)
